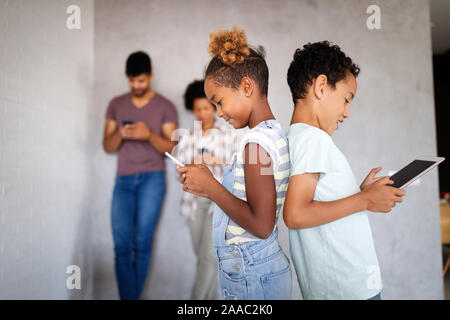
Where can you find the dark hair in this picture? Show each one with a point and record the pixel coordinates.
(137, 63)
(233, 59)
(195, 90)
(316, 59)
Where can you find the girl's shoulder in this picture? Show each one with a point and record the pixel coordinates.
(262, 134)
(270, 129)
(269, 138)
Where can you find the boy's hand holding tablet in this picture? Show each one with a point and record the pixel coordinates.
(379, 196)
(398, 182)
(370, 178)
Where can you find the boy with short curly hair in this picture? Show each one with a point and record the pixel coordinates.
(330, 237)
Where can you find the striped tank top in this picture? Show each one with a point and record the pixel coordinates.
(270, 136)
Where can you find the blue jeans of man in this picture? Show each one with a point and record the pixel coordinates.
(135, 210)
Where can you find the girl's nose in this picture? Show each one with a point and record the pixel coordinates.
(219, 113)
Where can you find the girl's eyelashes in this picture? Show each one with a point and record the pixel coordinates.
(218, 103)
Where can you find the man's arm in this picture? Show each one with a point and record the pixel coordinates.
(163, 143)
(112, 137)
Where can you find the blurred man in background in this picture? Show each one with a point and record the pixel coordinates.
(139, 125)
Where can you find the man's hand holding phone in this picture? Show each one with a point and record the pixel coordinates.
(135, 131)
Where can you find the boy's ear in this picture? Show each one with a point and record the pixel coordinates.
(320, 85)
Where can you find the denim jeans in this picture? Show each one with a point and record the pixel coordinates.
(135, 209)
(256, 270)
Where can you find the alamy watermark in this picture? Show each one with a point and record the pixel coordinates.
(73, 21)
(374, 279)
(74, 280)
(374, 20)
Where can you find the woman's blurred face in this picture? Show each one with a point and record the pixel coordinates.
(230, 103)
(335, 105)
(203, 110)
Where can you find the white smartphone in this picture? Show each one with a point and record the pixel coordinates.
(175, 160)
(414, 171)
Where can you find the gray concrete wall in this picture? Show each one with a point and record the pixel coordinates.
(56, 182)
(46, 81)
(392, 116)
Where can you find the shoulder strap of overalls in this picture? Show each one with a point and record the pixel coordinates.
(277, 128)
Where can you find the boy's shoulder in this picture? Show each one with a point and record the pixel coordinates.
(305, 132)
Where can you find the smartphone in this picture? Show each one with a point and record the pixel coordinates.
(175, 160)
(125, 122)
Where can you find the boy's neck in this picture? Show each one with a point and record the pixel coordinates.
(304, 112)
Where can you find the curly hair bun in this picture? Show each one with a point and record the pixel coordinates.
(229, 46)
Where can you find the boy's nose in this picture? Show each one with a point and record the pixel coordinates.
(347, 112)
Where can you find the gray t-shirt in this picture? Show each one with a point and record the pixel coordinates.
(137, 156)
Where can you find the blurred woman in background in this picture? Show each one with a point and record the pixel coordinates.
(210, 142)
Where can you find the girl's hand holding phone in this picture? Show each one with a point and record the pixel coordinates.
(196, 179)
(380, 197)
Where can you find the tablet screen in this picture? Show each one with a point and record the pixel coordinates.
(410, 171)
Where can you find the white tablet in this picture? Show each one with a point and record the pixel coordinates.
(414, 171)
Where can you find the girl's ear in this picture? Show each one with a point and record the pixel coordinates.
(247, 86)
(320, 85)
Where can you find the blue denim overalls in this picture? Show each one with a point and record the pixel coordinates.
(254, 270)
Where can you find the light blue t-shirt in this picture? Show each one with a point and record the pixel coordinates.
(336, 260)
